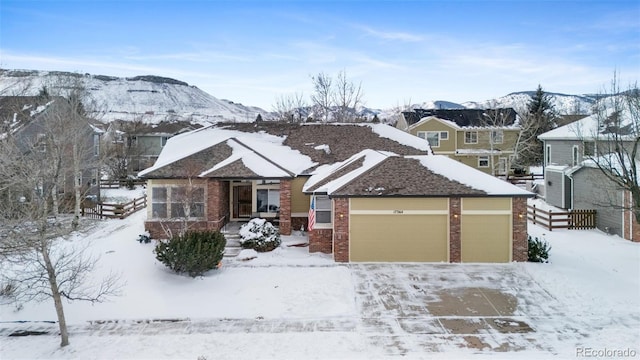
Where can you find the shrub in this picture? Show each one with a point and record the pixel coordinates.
(538, 250)
(193, 253)
(259, 235)
(130, 184)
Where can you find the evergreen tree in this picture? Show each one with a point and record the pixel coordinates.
(259, 118)
(538, 118)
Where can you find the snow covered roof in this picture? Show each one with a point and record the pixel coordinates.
(466, 118)
(596, 126)
(274, 149)
(434, 118)
(214, 152)
(376, 173)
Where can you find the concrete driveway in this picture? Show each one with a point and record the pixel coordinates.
(434, 307)
(412, 310)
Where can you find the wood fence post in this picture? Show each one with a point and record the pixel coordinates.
(534, 215)
(550, 220)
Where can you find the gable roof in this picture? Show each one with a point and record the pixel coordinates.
(437, 119)
(260, 150)
(380, 174)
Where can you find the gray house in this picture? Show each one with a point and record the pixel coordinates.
(572, 177)
(142, 142)
(43, 128)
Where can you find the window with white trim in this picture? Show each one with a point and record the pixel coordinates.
(574, 155)
(159, 202)
(433, 137)
(323, 210)
(483, 161)
(268, 200)
(497, 136)
(187, 202)
(177, 202)
(444, 135)
(268, 195)
(548, 155)
(470, 137)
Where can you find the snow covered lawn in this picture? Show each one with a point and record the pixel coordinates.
(289, 304)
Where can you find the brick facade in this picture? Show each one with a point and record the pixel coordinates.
(321, 240)
(218, 207)
(455, 244)
(520, 245)
(341, 230)
(299, 223)
(285, 207)
(168, 228)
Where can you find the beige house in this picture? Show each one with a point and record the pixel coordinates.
(384, 197)
(479, 144)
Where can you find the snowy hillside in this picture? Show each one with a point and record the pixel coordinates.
(563, 104)
(150, 98)
(154, 99)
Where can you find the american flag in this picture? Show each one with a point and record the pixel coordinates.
(312, 214)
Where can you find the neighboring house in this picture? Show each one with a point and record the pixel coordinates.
(376, 193)
(483, 139)
(572, 179)
(27, 120)
(142, 142)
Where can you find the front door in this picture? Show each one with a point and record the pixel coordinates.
(241, 201)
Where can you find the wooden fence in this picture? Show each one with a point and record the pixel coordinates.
(114, 211)
(571, 219)
(516, 179)
(118, 183)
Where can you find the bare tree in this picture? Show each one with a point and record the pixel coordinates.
(68, 124)
(614, 140)
(291, 108)
(37, 261)
(347, 98)
(321, 98)
(495, 120)
(337, 100)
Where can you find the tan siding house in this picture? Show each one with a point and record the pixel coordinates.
(489, 149)
(385, 197)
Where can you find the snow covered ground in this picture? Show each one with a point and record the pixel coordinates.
(289, 304)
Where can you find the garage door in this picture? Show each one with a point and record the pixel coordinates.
(399, 230)
(486, 230)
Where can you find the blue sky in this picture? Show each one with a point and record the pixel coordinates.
(401, 51)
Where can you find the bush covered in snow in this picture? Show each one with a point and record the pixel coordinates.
(259, 235)
(193, 253)
(538, 250)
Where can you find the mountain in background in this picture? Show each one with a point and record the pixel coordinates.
(153, 99)
(150, 98)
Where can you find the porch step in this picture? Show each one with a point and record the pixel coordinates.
(233, 247)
